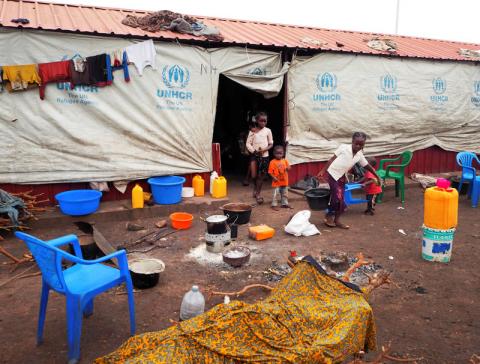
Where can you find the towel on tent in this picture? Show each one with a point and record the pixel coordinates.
(308, 318)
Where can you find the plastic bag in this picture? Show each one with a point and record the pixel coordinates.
(300, 225)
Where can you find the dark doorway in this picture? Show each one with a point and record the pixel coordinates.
(236, 105)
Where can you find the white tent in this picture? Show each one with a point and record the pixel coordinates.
(152, 125)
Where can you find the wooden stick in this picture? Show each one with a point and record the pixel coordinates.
(17, 276)
(8, 255)
(242, 291)
(30, 275)
(360, 261)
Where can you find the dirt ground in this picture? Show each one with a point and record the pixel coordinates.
(431, 312)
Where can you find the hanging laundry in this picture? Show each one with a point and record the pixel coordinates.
(99, 70)
(1, 80)
(21, 77)
(53, 72)
(79, 63)
(79, 78)
(119, 61)
(142, 55)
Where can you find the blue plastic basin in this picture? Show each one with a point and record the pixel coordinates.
(78, 202)
(166, 190)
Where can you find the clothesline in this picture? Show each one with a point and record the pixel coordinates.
(95, 70)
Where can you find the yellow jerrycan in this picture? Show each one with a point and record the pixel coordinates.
(137, 197)
(219, 187)
(198, 184)
(441, 207)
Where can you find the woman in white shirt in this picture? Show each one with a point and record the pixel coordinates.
(258, 144)
(345, 157)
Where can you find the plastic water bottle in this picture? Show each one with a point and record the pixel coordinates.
(213, 175)
(193, 304)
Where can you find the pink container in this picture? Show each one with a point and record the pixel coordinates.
(443, 183)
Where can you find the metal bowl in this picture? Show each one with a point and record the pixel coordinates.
(237, 256)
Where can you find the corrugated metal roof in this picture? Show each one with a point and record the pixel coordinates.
(107, 21)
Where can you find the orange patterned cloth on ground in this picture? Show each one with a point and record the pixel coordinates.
(308, 318)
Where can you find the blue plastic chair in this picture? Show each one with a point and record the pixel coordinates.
(79, 283)
(349, 200)
(465, 160)
(476, 191)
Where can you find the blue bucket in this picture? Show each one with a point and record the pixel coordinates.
(166, 190)
(78, 202)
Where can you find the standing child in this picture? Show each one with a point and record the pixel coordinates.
(342, 161)
(278, 170)
(371, 187)
(243, 142)
(259, 145)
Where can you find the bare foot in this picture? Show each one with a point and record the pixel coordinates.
(287, 207)
(275, 208)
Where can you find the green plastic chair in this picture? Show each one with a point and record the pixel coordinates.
(398, 175)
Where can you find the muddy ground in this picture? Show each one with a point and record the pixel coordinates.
(432, 311)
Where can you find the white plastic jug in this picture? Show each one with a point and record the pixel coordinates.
(213, 175)
(193, 304)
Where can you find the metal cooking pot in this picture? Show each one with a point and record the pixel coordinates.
(238, 213)
(217, 224)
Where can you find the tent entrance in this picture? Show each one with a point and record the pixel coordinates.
(236, 105)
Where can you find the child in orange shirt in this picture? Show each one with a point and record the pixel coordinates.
(278, 170)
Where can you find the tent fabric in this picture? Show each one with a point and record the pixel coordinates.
(269, 83)
(308, 318)
(159, 123)
(401, 104)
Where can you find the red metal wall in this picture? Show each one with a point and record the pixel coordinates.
(430, 160)
(50, 190)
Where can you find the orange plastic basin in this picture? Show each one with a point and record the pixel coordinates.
(181, 220)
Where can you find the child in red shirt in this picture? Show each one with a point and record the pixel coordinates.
(278, 170)
(371, 188)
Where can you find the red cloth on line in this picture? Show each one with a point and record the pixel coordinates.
(53, 72)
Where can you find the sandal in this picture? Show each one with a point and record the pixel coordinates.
(342, 226)
(259, 199)
(287, 207)
(275, 208)
(329, 223)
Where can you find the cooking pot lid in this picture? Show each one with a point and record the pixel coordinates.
(217, 218)
(146, 266)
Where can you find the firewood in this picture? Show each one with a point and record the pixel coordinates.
(360, 261)
(242, 291)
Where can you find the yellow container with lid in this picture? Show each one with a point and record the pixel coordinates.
(219, 187)
(137, 197)
(441, 208)
(198, 184)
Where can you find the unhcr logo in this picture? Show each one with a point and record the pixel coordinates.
(439, 85)
(257, 71)
(175, 77)
(388, 84)
(476, 90)
(327, 84)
